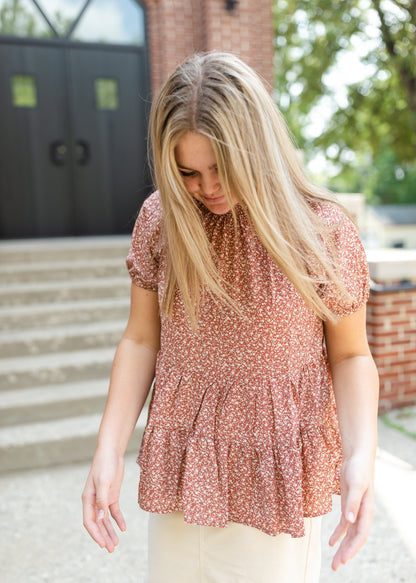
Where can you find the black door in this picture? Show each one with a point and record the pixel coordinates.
(108, 108)
(35, 190)
(72, 139)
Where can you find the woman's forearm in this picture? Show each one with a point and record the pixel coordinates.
(355, 382)
(131, 378)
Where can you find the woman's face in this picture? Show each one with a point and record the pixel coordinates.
(196, 162)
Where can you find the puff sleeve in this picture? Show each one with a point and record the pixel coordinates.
(144, 254)
(352, 263)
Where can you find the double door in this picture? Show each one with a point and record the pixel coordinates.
(72, 139)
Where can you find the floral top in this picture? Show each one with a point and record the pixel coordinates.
(242, 424)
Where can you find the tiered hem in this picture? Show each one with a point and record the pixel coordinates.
(213, 482)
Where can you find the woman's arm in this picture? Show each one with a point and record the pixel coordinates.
(131, 378)
(132, 372)
(355, 381)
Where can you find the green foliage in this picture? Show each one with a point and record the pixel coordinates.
(391, 181)
(308, 36)
(14, 20)
(376, 119)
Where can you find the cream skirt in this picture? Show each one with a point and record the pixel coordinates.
(187, 553)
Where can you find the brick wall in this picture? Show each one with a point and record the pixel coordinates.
(247, 32)
(391, 327)
(178, 28)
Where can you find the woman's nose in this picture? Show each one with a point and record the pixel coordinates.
(210, 184)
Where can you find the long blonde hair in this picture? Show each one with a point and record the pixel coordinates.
(219, 96)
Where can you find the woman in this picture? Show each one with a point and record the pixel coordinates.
(248, 307)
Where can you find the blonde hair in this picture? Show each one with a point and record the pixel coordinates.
(219, 96)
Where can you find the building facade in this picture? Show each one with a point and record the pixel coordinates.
(76, 82)
(391, 226)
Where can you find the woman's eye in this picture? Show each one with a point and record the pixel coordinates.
(186, 173)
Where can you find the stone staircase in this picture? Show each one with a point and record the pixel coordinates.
(64, 304)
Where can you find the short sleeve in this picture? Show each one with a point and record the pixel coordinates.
(353, 268)
(144, 255)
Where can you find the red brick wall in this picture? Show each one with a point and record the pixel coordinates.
(391, 328)
(247, 32)
(179, 28)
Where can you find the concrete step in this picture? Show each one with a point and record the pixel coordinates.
(63, 249)
(49, 369)
(64, 305)
(21, 343)
(62, 313)
(60, 291)
(52, 402)
(74, 439)
(62, 270)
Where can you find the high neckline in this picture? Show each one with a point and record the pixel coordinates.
(206, 211)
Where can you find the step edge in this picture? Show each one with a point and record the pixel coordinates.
(50, 431)
(73, 331)
(54, 393)
(37, 362)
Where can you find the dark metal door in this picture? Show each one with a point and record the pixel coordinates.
(72, 139)
(35, 183)
(108, 109)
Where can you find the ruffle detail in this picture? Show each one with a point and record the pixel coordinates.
(269, 477)
(214, 482)
(351, 261)
(143, 259)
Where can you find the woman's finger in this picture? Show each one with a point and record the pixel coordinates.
(339, 531)
(356, 534)
(107, 531)
(95, 521)
(354, 539)
(110, 530)
(351, 502)
(350, 506)
(101, 499)
(118, 516)
(89, 518)
(95, 532)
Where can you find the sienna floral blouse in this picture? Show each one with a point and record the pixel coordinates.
(242, 424)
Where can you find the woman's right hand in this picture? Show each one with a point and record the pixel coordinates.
(100, 498)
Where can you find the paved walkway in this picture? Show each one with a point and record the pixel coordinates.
(43, 539)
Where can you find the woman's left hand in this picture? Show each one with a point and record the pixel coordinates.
(357, 509)
(355, 382)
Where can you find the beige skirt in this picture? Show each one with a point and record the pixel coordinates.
(188, 553)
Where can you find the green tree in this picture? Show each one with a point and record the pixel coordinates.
(375, 120)
(14, 20)
(391, 181)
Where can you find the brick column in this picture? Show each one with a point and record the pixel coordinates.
(391, 325)
(179, 28)
(247, 32)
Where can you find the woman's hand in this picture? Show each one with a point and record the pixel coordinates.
(132, 374)
(355, 381)
(101, 498)
(357, 509)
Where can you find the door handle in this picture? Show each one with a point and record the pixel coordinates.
(58, 152)
(82, 152)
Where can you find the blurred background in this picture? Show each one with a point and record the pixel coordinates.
(345, 79)
(76, 82)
